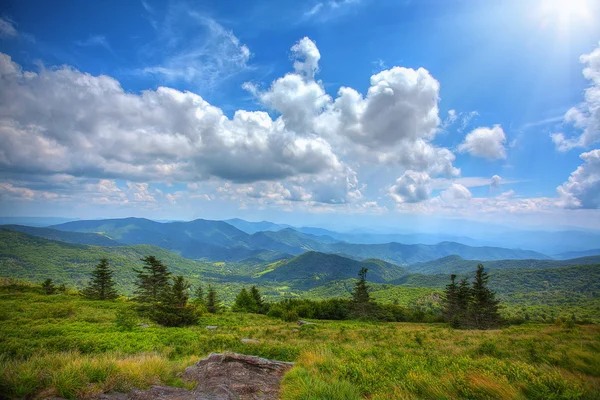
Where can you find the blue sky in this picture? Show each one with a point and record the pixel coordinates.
(335, 112)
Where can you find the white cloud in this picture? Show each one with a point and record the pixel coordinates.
(60, 121)
(197, 49)
(450, 119)
(585, 116)
(328, 9)
(455, 193)
(307, 57)
(486, 143)
(7, 28)
(495, 182)
(458, 201)
(64, 121)
(394, 123)
(411, 187)
(583, 187)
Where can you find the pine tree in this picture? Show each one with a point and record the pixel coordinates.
(483, 312)
(361, 291)
(153, 284)
(173, 310)
(451, 307)
(181, 291)
(199, 296)
(463, 302)
(258, 299)
(212, 302)
(48, 286)
(244, 302)
(360, 295)
(102, 284)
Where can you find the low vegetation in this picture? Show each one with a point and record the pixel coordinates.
(65, 345)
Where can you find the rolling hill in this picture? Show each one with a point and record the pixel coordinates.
(94, 239)
(33, 258)
(253, 227)
(576, 254)
(403, 254)
(456, 265)
(315, 269)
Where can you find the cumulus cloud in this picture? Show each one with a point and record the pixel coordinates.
(64, 121)
(307, 57)
(455, 193)
(582, 190)
(60, 121)
(485, 142)
(585, 116)
(394, 123)
(495, 182)
(411, 187)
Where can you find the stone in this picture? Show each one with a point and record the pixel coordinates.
(211, 327)
(223, 376)
(237, 376)
(250, 341)
(301, 322)
(145, 326)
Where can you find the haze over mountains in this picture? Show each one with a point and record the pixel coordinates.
(235, 240)
(220, 241)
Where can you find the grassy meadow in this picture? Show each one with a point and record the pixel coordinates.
(63, 345)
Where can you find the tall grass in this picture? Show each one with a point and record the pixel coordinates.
(66, 346)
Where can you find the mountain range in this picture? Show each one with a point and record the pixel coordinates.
(545, 285)
(221, 241)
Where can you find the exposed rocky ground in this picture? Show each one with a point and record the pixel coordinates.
(226, 376)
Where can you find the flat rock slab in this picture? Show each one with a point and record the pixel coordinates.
(226, 376)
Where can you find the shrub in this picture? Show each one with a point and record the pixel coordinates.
(168, 315)
(126, 319)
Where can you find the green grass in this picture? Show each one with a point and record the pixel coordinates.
(63, 345)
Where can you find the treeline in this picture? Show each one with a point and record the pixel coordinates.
(360, 307)
(167, 300)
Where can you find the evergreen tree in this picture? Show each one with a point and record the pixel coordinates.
(48, 286)
(181, 291)
(360, 295)
(174, 310)
(199, 296)
(451, 307)
(361, 290)
(258, 299)
(244, 302)
(463, 302)
(212, 302)
(483, 313)
(102, 284)
(153, 284)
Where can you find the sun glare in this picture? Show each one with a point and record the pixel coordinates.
(565, 13)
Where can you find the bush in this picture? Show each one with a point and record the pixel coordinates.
(168, 315)
(126, 319)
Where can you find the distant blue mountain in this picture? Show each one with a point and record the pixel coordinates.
(220, 241)
(253, 227)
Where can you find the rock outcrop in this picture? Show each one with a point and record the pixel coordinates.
(226, 376)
